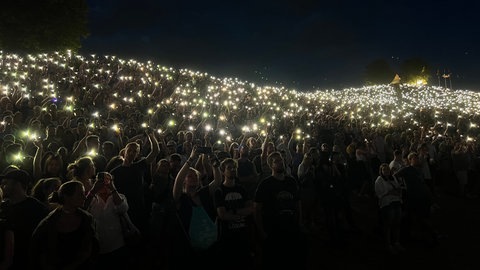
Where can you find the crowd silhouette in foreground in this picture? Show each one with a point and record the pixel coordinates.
(209, 172)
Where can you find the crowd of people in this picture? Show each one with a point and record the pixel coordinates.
(213, 172)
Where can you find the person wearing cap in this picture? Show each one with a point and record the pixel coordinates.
(22, 212)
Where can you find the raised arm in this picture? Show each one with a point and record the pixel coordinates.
(154, 148)
(217, 176)
(81, 146)
(37, 160)
(265, 145)
(180, 179)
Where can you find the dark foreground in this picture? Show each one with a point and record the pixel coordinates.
(457, 219)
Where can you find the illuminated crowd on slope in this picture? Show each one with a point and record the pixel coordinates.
(74, 97)
(98, 87)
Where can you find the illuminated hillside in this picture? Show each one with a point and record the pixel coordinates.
(105, 84)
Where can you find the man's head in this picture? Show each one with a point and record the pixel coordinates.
(228, 167)
(171, 147)
(181, 136)
(93, 142)
(108, 149)
(244, 151)
(15, 182)
(163, 166)
(189, 136)
(81, 128)
(270, 148)
(413, 159)
(325, 147)
(276, 163)
(132, 150)
(175, 161)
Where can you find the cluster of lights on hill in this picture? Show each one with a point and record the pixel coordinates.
(199, 95)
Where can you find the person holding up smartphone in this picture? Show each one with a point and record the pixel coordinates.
(106, 204)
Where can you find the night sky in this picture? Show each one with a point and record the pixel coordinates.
(302, 44)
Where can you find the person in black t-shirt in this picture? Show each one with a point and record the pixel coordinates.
(234, 209)
(278, 217)
(418, 200)
(22, 212)
(7, 244)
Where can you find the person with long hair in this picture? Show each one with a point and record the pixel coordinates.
(44, 188)
(106, 204)
(53, 167)
(83, 170)
(66, 238)
(195, 207)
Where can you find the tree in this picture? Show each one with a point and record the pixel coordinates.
(415, 69)
(41, 26)
(378, 72)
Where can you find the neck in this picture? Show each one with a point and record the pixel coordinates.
(229, 182)
(190, 190)
(17, 198)
(84, 178)
(68, 209)
(104, 194)
(162, 174)
(127, 162)
(279, 176)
